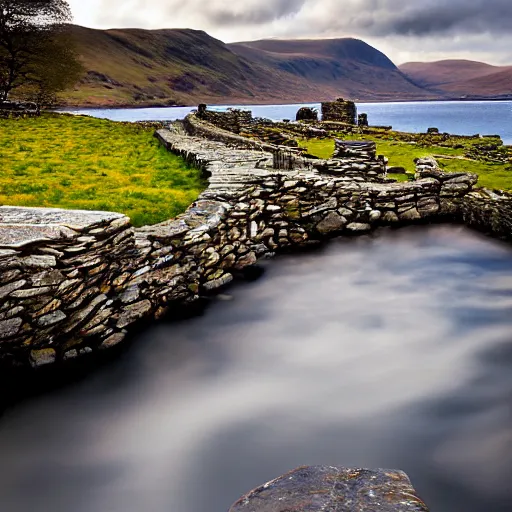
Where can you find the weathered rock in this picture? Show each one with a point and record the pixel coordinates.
(134, 312)
(42, 357)
(331, 223)
(9, 328)
(321, 489)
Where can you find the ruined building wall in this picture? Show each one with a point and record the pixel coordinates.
(340, 111)
(233, 120)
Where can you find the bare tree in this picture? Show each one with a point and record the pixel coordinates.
(37, 58)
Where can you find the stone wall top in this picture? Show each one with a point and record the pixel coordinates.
(21, 226)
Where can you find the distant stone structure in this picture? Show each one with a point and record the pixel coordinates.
(362, 120)
(13, 109)
(307, 114)
(233, 120)
(340, 111)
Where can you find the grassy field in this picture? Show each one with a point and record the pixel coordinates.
(65, 161)
(402, 154)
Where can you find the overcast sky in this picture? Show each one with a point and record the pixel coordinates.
(403, 29)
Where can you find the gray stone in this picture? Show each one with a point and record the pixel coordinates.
(9, 328)
(51, 319)
(331, 223)
(359, 227)
(133, 313)
(246, 261)
(410, 215)
(41, 262)
(42, 357)
(11, 287)
(131, 294)
(220, 282)
(322, 489)
(51, 278)
(113, 340)
(31, 292)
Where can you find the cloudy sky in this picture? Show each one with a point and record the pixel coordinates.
(404, 29)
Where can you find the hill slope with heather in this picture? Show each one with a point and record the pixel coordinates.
(135, 67)
(458, 78)
(348, 66)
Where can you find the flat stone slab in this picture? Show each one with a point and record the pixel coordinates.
(330, 489)
(17, 236)
(73, 219)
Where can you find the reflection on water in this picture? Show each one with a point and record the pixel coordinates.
(391, 351)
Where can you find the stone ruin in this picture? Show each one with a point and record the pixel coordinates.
(307, 114)
(362, 120)
(356, 160)
(13, 109)
(233, 120)
(340, 111)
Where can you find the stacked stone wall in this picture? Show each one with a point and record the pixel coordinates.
(14, 109)
(73, 283)
(489, 212)
(233, 120)
(340, 111)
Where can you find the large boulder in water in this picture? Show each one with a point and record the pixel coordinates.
(322, 488)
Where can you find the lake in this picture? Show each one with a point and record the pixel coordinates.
(456, 117)
(392, 350)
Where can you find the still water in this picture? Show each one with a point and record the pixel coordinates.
(393, 350)
(458, 117)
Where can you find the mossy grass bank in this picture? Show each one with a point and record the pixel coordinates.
(449, 153)
(79, 162)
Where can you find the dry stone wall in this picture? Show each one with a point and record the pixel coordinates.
(72, 283)
(341, 111)
(233, 120)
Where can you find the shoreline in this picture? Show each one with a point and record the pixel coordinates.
(65, 108)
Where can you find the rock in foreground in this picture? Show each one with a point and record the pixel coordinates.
(329, 489)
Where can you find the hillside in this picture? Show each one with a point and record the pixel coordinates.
(496, 85)
(458, 78)
(180, 66)
(347, 67)
(166, 67)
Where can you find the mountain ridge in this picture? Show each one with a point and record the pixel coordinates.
(462, 78)
(137, 67)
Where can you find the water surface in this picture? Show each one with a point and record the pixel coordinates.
(457, 117)
(386, 351)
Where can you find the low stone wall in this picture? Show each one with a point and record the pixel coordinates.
(201, 128)
(73, 282)
(14, 109)
(489, 212)
(233, 120)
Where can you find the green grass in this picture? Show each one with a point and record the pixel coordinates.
(402, 154)
(64, 161)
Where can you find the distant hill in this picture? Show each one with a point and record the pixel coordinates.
(458, 78)
(180, 66)
(165, 67)
(346, 67)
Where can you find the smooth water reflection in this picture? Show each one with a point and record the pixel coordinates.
(392, 351)
(458, 117)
